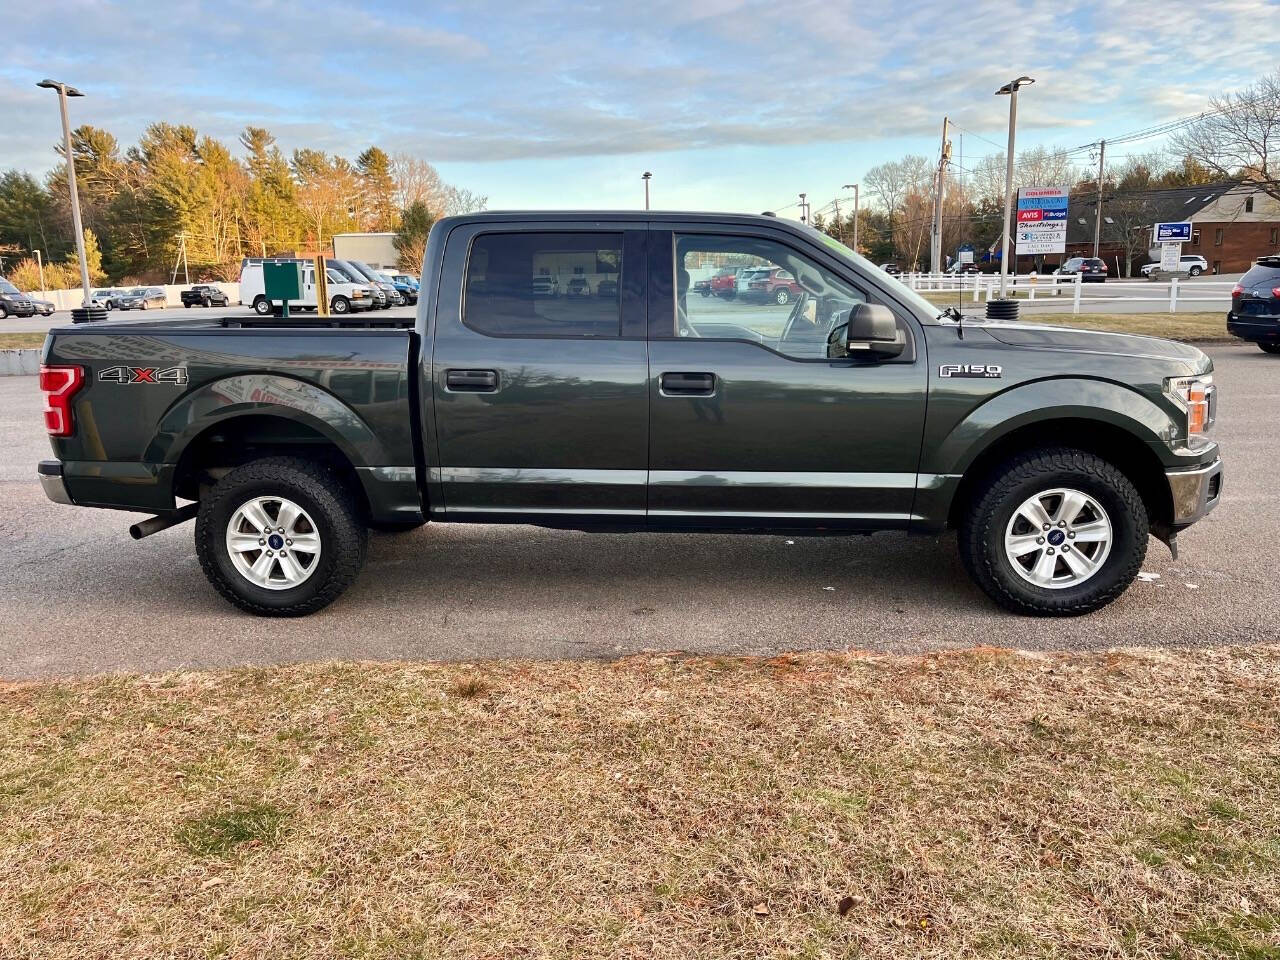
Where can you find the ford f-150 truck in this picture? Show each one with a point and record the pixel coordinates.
(856, 407)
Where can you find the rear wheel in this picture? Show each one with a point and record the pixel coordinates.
(1195, 271)
(1270, 347)
(261, 306)
(1055, 532)
(782, 295)
(280, 537)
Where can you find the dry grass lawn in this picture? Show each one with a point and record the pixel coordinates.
(21, 341)
(1191, 327)
(979, 804)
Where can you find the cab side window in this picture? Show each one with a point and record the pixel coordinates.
(749, 288)
(544, 285)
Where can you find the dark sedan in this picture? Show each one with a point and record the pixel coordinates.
(141, 298)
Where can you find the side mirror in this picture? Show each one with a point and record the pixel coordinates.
(873, 333)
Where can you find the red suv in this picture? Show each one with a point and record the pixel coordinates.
(725, 283)
(773, 284)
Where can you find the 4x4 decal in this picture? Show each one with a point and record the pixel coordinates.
(128, 375)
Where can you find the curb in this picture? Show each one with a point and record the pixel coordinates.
(19, 363)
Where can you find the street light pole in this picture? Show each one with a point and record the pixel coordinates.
(646, 176)
(65, 91)
(1010, 90)
(40, 267)
(854, 187)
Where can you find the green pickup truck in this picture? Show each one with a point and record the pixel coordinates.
(853, 407)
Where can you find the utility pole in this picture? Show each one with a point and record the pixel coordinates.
(646, 177)
(839, 228)
(1097, 222)
(935, 239)
(1009, 90)
(65, 91)
(854, 187)
(40, 267)
(181, 259)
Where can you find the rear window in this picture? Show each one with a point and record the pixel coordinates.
(1266, 270)
(503, 269)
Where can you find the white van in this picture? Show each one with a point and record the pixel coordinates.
(344, 296)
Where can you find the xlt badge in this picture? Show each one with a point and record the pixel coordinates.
(973, 371)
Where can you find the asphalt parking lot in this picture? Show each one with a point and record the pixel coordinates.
(78, 596)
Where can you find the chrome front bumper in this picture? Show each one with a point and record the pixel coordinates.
(51, 482)
(1195, 492)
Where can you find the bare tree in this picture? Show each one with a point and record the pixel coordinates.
(1240, 137)
(416, 181)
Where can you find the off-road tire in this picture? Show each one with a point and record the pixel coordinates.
(318, 490)
(982, 529)
(1270, 347)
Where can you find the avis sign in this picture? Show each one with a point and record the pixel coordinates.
(1042, 220)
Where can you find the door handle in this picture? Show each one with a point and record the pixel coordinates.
(471, 381)
(687, 384)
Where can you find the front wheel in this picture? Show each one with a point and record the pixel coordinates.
(280, 537)
(782, 296)
(262, 306)
(1270, 347)
(1055, 532)
(4, 311)
(340, 305)
(1195, 271)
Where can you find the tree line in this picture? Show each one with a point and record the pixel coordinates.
(177, 190)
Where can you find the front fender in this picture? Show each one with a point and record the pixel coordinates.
(269, 394)
(1044, 401)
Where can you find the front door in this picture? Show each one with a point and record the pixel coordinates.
(539, 374)
(756, 419)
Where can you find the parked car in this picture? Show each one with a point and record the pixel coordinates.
(13, 302)
(43, 307)
(408, 293)
(205, 295)
(1054, 452)
(407, 285)
(962, 268)
(1255, 305)
(106, 298)
(545, 285)
(773, 284)
(578, 287)
(891, 269)
(725, 283)
(378, 291)
(1192, 263)
(142, 298)
(391, 297)
(1091, 269)
(607, 287)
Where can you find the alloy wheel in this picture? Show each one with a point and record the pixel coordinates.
(1058, 538)
(273, 543)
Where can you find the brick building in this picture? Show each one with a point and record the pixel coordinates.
(1233, 223)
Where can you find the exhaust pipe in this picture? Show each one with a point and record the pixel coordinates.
(146, 528)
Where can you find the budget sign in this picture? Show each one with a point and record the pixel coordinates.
(1042, 220)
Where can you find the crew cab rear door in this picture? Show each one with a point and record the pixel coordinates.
(541, 399)
(755, 420)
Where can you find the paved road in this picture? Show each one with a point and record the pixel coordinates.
(78, 596)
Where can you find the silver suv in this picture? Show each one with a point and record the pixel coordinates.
(1193, 263)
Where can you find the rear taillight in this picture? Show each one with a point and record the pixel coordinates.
(1237, 290)
(1275, 292)
(59, 384)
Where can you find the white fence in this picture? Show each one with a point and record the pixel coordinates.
(67, 299)
(1166, 293)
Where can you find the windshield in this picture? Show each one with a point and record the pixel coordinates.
(138, 292)
(862, 263)
(7, 287)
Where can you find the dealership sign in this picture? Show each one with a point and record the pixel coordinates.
(1042, 220)
(1173, 232)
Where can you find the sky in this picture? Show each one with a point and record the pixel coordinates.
(732, 104)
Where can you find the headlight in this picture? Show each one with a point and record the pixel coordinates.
(1198, 397)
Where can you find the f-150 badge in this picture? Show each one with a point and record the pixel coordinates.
(972, 371)
(129, 375)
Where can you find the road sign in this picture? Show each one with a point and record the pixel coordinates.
(966, 255)
(1170, 257)
(1179, 232)
(1042, 220)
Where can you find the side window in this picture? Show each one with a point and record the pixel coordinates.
(763, 291)
(518, 285)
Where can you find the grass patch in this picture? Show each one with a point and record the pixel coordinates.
(217, 834)
(978, 804)
(1189, 327)
(21, 341)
